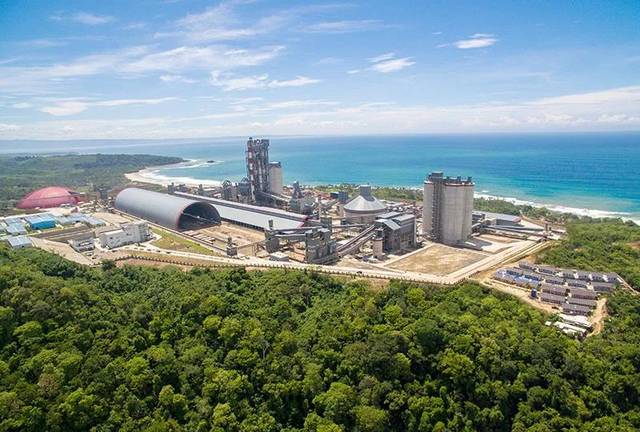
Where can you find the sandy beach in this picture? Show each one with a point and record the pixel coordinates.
(151, 175)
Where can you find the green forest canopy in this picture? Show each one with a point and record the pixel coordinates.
(20, 175)
(133, 348)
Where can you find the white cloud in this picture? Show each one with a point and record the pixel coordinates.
(136, 25)
(22, 105)
(298, 104)
(65, 108)
(478, 40)
(298, 81)
(132, 62)
(620, 95)
(42, 43)
(393, 65)
(177, 78)
(71, 107)
(386, 63)
(5, 127)
(220, 23)
(238, 83)
(382, 57)
(85, 18)
(229, 82)
(344, 26)
(612, 109)
(208, 57)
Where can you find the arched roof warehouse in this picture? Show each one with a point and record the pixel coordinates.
(167, 210)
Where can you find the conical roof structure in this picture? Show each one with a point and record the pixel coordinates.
(365, 202)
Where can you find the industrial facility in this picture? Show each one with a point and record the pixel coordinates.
(447, 208)
(262, 219)
(294, 223)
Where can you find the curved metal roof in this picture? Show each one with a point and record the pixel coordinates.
(161, 208)
(254, 216)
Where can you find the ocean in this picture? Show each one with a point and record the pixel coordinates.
(596, 173)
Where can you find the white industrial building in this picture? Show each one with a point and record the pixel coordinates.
(447, 208)
(129, 233)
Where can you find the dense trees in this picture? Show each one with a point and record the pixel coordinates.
(164, 350)
(20, 175)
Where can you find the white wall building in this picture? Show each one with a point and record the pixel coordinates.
(447, 208)
(129, 233)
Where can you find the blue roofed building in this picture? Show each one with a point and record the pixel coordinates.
(41, 221)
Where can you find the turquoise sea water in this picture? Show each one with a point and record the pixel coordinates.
(599, 171)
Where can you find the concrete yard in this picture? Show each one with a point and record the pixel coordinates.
(111, 218)
(437, 259)
(241, 235)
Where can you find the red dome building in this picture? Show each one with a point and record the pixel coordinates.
(52, 196)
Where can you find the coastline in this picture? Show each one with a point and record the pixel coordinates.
(151, 175)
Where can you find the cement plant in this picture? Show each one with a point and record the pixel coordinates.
(261, 222)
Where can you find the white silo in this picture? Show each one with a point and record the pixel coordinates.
(447, 208)
(275, 178)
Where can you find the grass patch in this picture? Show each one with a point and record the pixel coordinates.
(174, 242)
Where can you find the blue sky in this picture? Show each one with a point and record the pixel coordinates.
(182, 69)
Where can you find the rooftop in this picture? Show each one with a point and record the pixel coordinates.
(251, 215)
